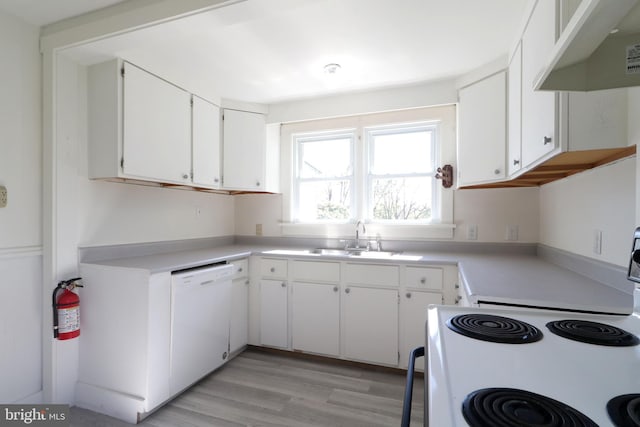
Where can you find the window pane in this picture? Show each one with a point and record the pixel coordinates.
(402, 198)
(401, 153)
(325, 158)
(324, 200)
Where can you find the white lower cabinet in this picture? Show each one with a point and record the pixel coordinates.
(371, 325)
(239, 325)
(413, 318)
(315, 316)
(361, 311)
(273, 313)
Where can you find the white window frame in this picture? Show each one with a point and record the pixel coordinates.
(441, 227)
(297, 180)
(395, 129)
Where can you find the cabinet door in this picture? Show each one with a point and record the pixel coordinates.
(539, 135)
(244, 140)
(316, 318)
(482, 141)
(239, 326)
(514, 111)
(156, 128)
(371, 325)
(205, 143)
(413, 312)
(273, 313)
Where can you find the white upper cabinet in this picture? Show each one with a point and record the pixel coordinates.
(206, 143)
(514, 113)
(244, 143)
(539, 135)
(156, 128)
(482, 127)
(142, 127)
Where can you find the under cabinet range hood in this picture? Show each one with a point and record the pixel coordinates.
(598, 49)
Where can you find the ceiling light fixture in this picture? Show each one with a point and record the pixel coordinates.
(332, 69)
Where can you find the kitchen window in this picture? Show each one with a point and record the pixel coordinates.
(324, 182)
(379, 168)
(401, 184)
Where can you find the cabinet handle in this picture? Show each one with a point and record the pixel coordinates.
(423, 280)
(408, 295)
(257, 183)
(216, 180)
(546, 140)
(458, 298)
(335, 289)
(497, 171)
(246, 282)
(346, 291)
(272, 269)
(240, 270)
(284, 285)
(516, 162)
(457, 286)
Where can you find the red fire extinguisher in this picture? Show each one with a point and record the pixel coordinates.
(66, 310)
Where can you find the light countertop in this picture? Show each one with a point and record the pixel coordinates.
(498, 278)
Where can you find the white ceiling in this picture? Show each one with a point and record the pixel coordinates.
(43, 12)
(270, 51)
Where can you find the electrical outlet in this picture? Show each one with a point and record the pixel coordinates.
(511, 233)
(597, 242)
(472, 232)
(3, 196)
(258, 229)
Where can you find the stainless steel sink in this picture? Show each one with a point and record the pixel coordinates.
(326, 251)
(350, 252)
(355, 252)
(373, 254)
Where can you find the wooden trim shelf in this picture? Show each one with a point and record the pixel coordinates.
(562, 166)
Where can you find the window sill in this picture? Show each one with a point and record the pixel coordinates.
(387, 231)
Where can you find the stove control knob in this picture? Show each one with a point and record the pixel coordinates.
(636, 256)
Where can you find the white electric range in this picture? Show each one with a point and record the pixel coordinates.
(464, 370)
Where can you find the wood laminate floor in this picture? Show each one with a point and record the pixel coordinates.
(260, 388)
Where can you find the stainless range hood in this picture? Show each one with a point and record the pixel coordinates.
(598, 49)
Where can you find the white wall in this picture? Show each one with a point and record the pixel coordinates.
(490, 210)
(436, 93)
(603, 199)
(20, 226)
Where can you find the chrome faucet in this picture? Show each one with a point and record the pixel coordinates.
(364, 230)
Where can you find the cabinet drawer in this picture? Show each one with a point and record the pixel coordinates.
(424, 277)
(240, 268)
(273, 268)
(371, 274)
(314, 271)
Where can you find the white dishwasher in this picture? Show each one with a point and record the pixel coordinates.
(200, 313)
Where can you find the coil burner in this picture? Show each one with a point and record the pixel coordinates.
(593, 333)
(494, 328)
(507, 407)
(624, 410)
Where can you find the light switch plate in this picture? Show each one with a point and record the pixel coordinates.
(3, 196)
